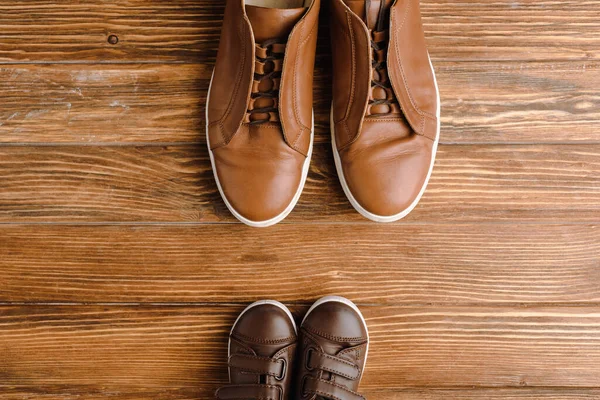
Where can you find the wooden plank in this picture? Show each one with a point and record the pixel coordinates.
(486, 394)
(475, 30)
(141, 103)
(372, 264)
(538, 183)
(519, 102)
(411, 347)
(92, 392)
(101, 103)
(44, 30)
(80, 392)
(188, 30)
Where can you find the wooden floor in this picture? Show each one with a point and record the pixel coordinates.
(121, 270)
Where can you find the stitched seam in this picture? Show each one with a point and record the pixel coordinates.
(344, 120)
(255, 371)
(383, 119)
(422, 113)
(310, 33)
(353, 79)
(295, 99)
(338, 338)
(327, 395)
(289, 349)
(294, 88)
(237, 84)
(347, 129)
(220, 128)
(339, 387)
(266, 125)
(338, 360)
(341, 29)
(252, 357)
(358, 352)
(351, 140)
(340, 373)
(355, 349)
(257, 340)
(258, 385)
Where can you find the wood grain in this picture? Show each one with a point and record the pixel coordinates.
(471, 264)
(186, 346)
(88, 392)
(121, 270)
(481, 102)
(542, 183)
(188, 30)
(519, 102)
(95, 104)
(485, 394)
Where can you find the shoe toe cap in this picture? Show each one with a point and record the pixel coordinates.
(265, 323)
(259, 187)
(386, 179)
(338, 321)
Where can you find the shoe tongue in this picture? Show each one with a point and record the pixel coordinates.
(370, 16)
(357, 7)
(273, 23)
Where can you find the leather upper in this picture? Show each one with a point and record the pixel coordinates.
(259, 112)
(351, 72)
(385, 103)
(232, 77)
(262, 348)
(387, 167)
(296, 96)
(332, 356)
(235, 67)
(259, 172)
(408, 68)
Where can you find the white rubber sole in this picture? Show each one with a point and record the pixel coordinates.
(289, 208)
(251, 306)
(339, 299)
(350, 196)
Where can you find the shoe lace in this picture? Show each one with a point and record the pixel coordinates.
(264, 98)
(382, 100)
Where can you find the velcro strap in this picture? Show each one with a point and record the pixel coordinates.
(335, 365)
(329, 390)
(257, 365)
(246, 392)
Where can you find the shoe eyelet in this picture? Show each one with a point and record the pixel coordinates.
(280, 390)
(283, 369)
(307, 359)
(303, 393)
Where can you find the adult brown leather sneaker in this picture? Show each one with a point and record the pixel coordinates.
(262, 346)
(385, 117)
(334, 342)
(259, 108)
